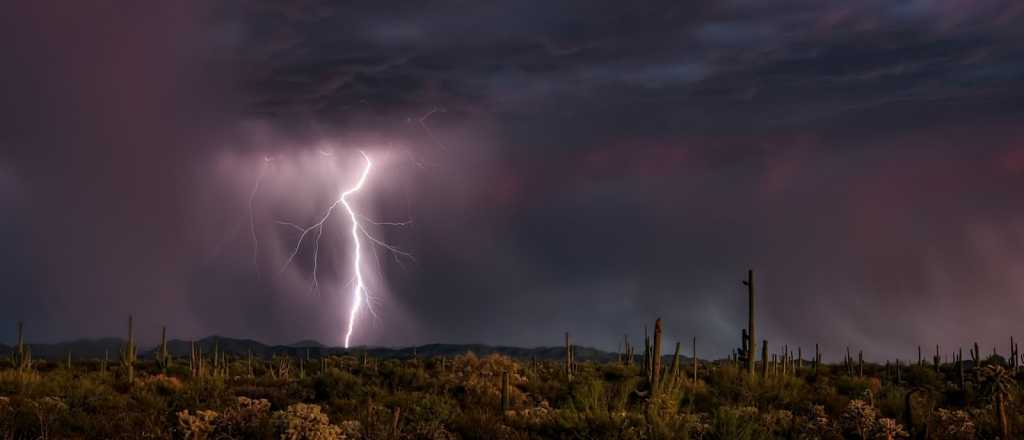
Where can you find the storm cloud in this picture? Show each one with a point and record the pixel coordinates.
(579, 166)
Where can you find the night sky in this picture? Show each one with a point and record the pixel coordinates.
(578, 166)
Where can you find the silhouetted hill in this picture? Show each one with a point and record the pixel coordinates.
(80, 349)
(95, 348)
(308, 343)
(449, 350)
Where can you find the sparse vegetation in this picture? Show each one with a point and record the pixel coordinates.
(224, 394)
(498, 397)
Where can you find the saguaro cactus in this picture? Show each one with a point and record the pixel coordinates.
(627, 351)
(22, 356)
(1017, 356)
(214, 369)
(860, 363)
(1014, 361)
(785, 358)
(163, 357)
(751, 333)
(248, 366)
(128, 352)
(504, 391)
(568, 357)
(696, 362)
(195, 361)
(656, 355)
(744, 350)
(960, 369)
(674, 372)
(764, 358)
(647, 354)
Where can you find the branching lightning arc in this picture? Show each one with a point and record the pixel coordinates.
(360, 293)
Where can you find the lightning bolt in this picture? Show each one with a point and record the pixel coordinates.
(360, 293)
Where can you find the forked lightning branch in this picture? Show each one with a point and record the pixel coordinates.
(360, 294)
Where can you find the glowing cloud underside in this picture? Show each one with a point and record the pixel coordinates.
(359, 291)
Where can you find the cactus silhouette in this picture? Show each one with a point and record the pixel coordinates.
(568, 357)
(163, 357)
(22, 356)
(128, 352)
(656, 355)
(751, 333)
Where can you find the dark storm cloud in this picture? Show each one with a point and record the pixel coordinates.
(589, 167)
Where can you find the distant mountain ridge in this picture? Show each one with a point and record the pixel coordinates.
(95, 349)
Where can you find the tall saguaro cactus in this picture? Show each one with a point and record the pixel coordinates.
(504, 391)
(22, 356)
(1014, 359)
(627, 351)
(860, 363)
(647, 354)
(195, 360)
(674, 371)
(129, 351)
(764, 359)
(163, 357)
(960, 369)
(568, 357)
(695, 361)
(751, 333)
(656, 355)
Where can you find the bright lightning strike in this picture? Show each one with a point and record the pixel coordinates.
(358, 292)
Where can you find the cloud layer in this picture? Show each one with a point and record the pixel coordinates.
(577, 167)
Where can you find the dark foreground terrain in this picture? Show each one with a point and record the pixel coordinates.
(211, 393)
